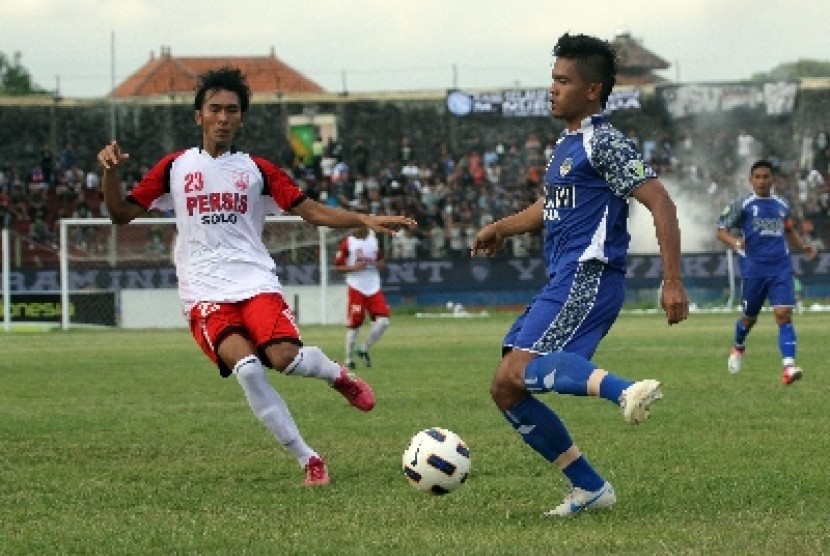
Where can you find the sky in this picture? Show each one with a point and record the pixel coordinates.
(82, 47)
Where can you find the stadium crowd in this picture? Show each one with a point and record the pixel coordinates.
(450, 194)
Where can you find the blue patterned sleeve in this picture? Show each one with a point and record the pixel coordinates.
(617, 160)
(730, 217)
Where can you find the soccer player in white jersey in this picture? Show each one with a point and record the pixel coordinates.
(226, 278)
(360, 258)
(765, 229)
(593, 172)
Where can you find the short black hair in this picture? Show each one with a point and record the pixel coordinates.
(227, 78)
(595, 59)
(763, 163)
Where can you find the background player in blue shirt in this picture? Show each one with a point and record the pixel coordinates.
(593, 172)
(765, 227)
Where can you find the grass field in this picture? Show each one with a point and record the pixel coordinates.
(124, 442)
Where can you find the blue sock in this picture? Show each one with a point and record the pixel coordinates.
(560, 372)
(612, 386)
(544, 431)
(540, 427)
(787, 340)
(582, 475)
(568, 373)
(740, 332)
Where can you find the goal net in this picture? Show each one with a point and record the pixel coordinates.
(124, 275)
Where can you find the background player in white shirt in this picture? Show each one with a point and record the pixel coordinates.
(226, 277)
(360, 257)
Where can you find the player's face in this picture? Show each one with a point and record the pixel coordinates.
(761, 179)
(571, 97)
(220, 118)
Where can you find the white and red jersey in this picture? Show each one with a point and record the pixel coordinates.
(353, 250)
(220, 206)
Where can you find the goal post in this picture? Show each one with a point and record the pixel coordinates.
(124, 276)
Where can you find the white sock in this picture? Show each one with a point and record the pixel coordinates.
(351, 340)
(378, 328)
(312, 362)
(270, 408)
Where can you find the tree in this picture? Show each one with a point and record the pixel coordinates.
(797, 70)
(15, 80)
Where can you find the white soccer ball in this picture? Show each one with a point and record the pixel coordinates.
(436, 461)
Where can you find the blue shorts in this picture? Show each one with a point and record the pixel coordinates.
(778, 289)
(572, 313)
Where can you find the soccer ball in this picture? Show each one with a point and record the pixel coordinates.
(436, 461)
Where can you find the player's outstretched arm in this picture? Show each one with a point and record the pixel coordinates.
(734, 243)
(110, 158)
(797, 243)
(323, 215)
(653, 195)
(490, 239)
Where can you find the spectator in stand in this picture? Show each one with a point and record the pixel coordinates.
(19, 200)
(8, 211)
(37, 206)
(81, 236)
(92, 181)
(746, 146)
(806, 150)
(36, 180)
(821, 156)
(360, 158)
(67, 157)
(47, 163)
(405, 153)
(447, 159)
(405, 245)
(437, 240)
(39, 231)
(533, 151)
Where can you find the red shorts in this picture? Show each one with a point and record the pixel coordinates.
(264, 319)
(359, 305)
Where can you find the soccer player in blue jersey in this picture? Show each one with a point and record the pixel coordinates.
(593, 172)
(765, 227)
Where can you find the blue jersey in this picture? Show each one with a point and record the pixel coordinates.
(763, 222)
(588, 182)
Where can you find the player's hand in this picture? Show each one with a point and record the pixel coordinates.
(487, 242)
(111, 156)
(389, 224)
(674, 301)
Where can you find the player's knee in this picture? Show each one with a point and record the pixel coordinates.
(281, 355)
(507, 387)
(783, 316)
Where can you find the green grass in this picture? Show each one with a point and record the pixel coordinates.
(125, 442)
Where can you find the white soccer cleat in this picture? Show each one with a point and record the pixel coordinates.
(736, 358)
(636, 400)
(578, 500)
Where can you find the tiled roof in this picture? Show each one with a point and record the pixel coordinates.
(633, 58)
(168, 74)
